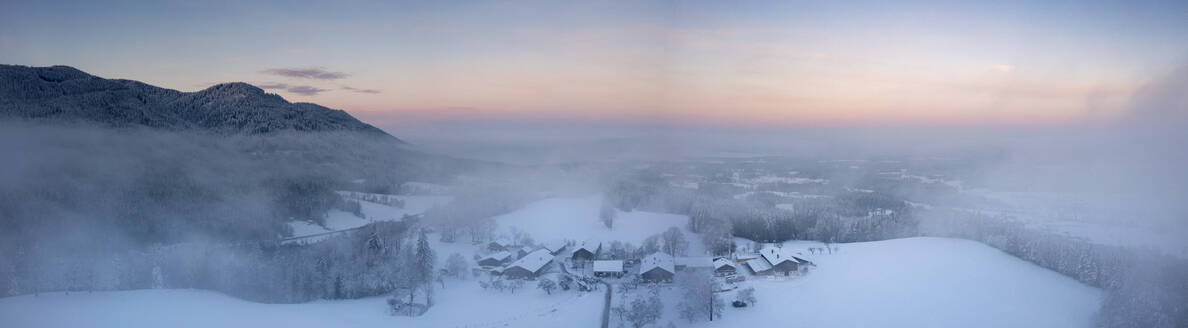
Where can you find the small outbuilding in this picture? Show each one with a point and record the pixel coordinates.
(724, 267)
(611, 268)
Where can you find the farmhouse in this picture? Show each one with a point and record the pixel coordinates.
(586, 251)
(499, 245)
(694, 263)
(783, 261)
(529, 266)
(495, 259)
(657, 267)
(608, 268)
(724, 267)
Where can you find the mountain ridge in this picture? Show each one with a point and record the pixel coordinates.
(67, 94)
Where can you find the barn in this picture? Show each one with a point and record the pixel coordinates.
(530, 266)
(495, 259)
(657, 267)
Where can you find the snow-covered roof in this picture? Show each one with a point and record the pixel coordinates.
(758, 265)
(499, 256)
(721, 262)
(527, 249)
(589, 245)
(656, 260)
(533, 261)
(695, 262)
(775, 256)
(554, 245)
(502, 242)
(608, 266)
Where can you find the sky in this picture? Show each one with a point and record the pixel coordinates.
(779, 63)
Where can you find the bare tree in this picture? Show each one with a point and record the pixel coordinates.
(673, 242)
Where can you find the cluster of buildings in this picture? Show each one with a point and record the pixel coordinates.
(520, 262)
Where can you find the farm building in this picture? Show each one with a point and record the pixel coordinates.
(758, 266)
(783, 261)
(608, 268)
(529, 266)
(694, 263)
(724, 267)
(495, 259)
(499, 245)
(586, 251)
(657, 267)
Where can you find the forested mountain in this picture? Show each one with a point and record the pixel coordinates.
(63, 93)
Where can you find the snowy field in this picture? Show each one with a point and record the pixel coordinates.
(340, 220)
(577, 219)
(196, 308)
(915, 282)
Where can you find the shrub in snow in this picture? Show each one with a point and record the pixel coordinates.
(547, 285)
(747, 295)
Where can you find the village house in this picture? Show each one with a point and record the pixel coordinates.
(609, 268)
(495, 259)
(585, 251)
(657, 267)
(499, 245)
(724, 267)
(779, 261)
(530, 266)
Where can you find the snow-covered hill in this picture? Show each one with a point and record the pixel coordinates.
(915, 282)
(918, 282)
(66, 94)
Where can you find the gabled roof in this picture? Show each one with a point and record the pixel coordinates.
(722, 262)
(526, 249)
(758, 265)
(502, 242)
(498, 256)
(608, 266)
(591, 246)
(777, 256)
(533, 261)
(554, 245)
(654, 261)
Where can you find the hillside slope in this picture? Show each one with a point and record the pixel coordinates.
(63, 93)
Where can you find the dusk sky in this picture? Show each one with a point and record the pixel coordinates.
(716, 62)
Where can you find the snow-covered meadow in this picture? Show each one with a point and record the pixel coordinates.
(916, 282)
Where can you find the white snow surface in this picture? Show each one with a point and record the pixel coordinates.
(577, 219)
(182, 308)
(916, 282)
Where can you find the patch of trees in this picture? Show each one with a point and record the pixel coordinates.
(373, 261)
